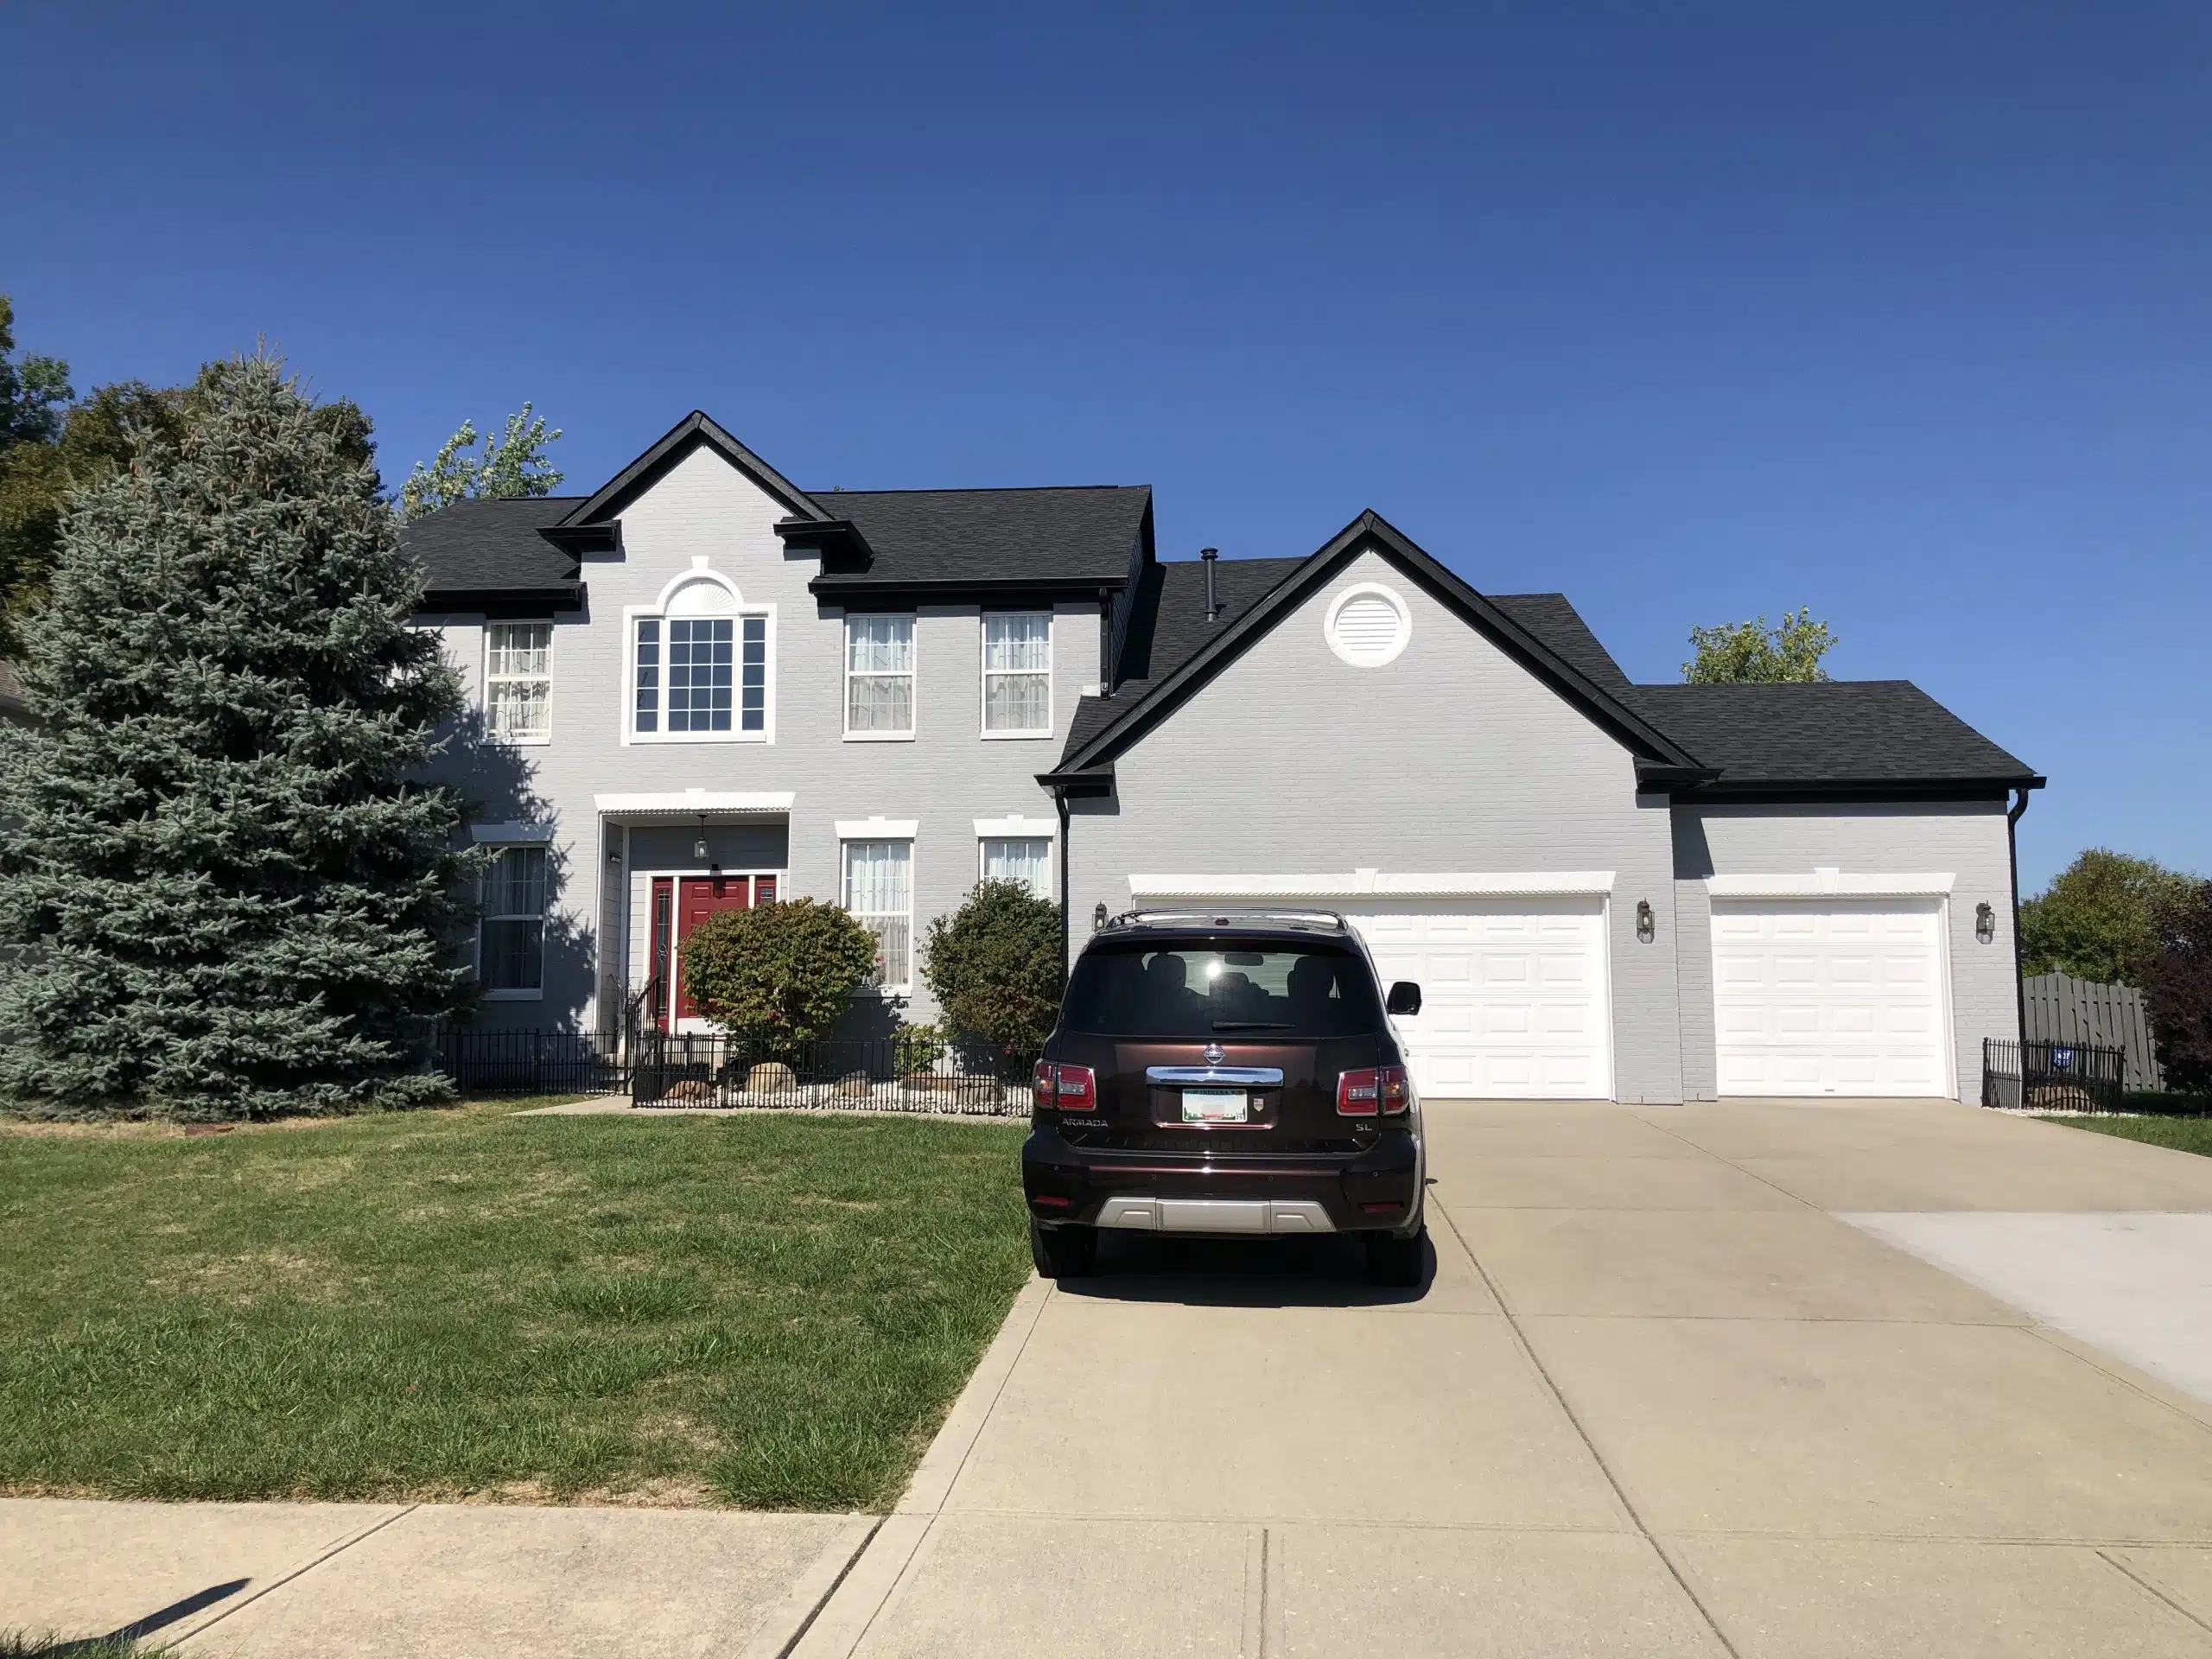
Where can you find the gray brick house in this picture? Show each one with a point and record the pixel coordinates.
(702, 686)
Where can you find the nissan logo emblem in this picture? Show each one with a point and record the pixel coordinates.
(1215, 1053)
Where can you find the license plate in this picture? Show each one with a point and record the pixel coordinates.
(1215, 1105)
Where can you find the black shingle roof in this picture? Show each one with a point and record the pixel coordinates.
(1077, 533)
(479, 547)
(1869, 731)
(1559, 625)
(1826, 732)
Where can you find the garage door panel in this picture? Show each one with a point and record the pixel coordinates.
(1829, 996)
(1513, 993)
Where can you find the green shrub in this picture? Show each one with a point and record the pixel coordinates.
(915, 1048)
(996, 967)
(783, 972)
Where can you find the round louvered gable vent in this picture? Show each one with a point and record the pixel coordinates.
(1368, 626)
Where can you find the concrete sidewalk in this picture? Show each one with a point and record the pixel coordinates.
(1657, 1400)
(396, 1581)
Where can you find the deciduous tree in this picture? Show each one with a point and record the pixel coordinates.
(513, 464)
(1737, 653)
(2178, 992)
(2099, 917)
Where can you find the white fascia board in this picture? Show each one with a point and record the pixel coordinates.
(1360, 883)
(989, 829)
(1826, 884)
(689, 801)
(877, 829)
(508, 835)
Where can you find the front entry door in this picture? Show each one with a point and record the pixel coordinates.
(696, 897)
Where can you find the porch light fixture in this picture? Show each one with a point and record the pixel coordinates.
(1984, 922)
(1647, 925)
(699, 847)
(1098, 916)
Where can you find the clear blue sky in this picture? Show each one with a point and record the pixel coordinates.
(1692, 312)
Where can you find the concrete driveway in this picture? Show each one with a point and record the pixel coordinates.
(1661, 1397)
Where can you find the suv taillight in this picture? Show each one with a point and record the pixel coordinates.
(1372, 1090)
(1064, 1088)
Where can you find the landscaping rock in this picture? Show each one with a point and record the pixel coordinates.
(690, 1089)
(853, 1085)
(771, 1077)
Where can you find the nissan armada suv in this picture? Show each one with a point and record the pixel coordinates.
(1229, 1075)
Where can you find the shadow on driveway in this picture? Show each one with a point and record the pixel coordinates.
(1329, 1271)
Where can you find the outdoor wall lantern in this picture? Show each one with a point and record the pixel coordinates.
(699, 847)
(1984, 922)
(1098, 916)
(1647, 926)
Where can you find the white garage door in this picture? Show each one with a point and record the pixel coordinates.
(1829, 996)
(1513, 995)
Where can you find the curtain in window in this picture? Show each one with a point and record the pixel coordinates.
(879, 674)
(648, 704)
(517, 679)
(1019, 858)
(878, 892)
(1018, 673)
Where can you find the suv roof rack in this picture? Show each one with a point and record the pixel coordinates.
(1229, 915)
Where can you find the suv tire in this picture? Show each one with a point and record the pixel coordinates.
(1396, 1260)
(1063, 1252)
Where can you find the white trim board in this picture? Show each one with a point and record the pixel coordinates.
(879, 828)
(1008, 828)
(1829, 883)
(690, 801)
(1360, 883)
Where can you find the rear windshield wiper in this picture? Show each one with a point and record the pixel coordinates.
(1251, 1025)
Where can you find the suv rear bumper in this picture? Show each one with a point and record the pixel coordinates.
(1377, 1190)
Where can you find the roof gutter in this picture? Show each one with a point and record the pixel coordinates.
(504, 601)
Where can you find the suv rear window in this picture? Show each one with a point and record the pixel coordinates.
(1132, 990)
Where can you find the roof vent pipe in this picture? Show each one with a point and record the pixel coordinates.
(1207, 555)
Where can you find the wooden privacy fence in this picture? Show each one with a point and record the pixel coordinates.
(2063, 1009)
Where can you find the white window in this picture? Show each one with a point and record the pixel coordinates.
(511, 942)
(1018, 673)
(519, 681)
(879, 676)
(1026, 859)
(879, 895)
(700, 668)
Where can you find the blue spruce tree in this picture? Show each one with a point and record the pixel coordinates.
(228, 893)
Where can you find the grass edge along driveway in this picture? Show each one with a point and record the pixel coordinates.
(770, 1312)
(2181, 1134)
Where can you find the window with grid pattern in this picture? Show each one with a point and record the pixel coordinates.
(879, 675)
(519, 680)
(700, 675)
(880, 896)
(1018, 673)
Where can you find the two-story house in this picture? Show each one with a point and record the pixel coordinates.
(702, 686)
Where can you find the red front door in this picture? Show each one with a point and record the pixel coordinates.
(698, 897)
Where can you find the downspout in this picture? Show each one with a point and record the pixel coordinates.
(2012, 850)
(1060, 801)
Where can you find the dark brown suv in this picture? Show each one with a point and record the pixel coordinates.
(1226, 1074)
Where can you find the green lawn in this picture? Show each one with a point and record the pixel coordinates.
(2183, 1133)
(772, 1312)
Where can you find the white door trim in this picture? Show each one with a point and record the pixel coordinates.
(1826, 883)
(1367, 883)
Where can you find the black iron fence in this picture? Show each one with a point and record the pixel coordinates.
(890, 1074)
(2047, 1077)
(482, 1062)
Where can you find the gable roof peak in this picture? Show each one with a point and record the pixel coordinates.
(694, 430)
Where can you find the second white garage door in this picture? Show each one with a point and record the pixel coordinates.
(1829, 997)
(1513, 1002)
